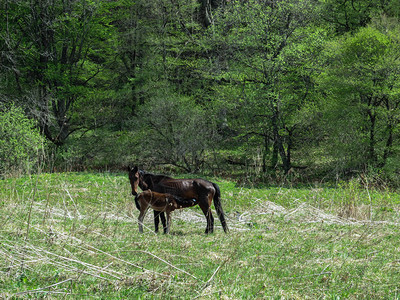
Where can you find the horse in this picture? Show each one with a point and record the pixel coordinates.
(160, 202)
(202, 190)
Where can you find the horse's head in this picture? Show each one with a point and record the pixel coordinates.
(134, 179)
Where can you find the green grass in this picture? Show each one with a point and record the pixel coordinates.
(71, 234)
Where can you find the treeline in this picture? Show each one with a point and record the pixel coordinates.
(263, 88)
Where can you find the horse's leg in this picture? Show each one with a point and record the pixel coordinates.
(156, 220)
(205, 206)
(162, 216)
(157, 216)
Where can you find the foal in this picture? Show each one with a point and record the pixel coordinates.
(160, 202)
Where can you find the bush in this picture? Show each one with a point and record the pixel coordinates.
(21, 144)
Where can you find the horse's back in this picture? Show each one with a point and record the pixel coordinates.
(186, 188)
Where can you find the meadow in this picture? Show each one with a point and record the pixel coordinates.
(75, 235)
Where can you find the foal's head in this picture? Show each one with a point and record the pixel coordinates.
(134, 179)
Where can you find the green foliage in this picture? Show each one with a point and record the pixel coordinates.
(21, 145)
(268, 50)
(362, 97)
(175, 130)
(99, 149)
(349, 16)
(288, 85)
(55, 53)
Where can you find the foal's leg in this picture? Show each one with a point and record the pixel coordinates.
(166, 231)
(140, 219)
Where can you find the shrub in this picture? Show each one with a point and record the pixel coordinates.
(21, 144)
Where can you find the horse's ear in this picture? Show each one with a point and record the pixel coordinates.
(132, 169)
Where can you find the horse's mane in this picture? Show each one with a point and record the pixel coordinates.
(155, 176)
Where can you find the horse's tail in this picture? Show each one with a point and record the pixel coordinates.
(218, 207)
(137, 201)
(185, 202)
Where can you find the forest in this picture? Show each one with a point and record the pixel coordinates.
(265, 90)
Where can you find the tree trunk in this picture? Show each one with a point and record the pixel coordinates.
(372, 142)
(279, 144)
(265, 154)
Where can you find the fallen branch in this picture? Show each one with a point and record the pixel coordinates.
(212, 277)
(169, 264)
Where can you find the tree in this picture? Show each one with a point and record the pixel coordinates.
(207, 10)
(351, 15)
(56, 50)
(175, 130)
(362, 92)
(264, 49)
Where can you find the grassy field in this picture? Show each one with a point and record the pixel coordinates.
(75, 235)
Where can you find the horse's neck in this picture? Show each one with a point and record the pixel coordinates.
(153, 180)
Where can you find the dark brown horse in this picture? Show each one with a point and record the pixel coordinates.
(202, 190)
(160, 202)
